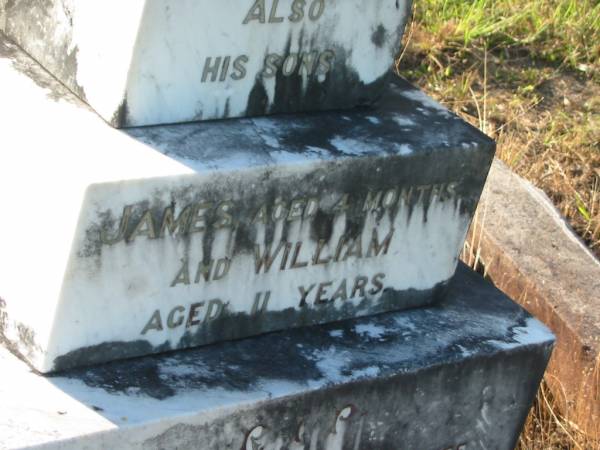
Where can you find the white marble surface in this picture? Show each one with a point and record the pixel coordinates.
(149, 62)
(65, 175)
(133, 404)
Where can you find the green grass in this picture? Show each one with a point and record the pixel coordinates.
(559, 31)
(526, 72)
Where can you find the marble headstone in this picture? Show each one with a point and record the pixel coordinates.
(122, 244)
(457, 376)
(139, 62)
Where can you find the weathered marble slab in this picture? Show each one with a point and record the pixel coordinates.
(168, 237)
(139, 62)
(461, 376)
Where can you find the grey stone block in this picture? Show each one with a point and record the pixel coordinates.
(554, 276)
(458, 375)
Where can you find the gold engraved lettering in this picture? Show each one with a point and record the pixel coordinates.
(198, 222)
(390, 198)
(296, 209)
(145, 227)
(312, 206)
(286, 254)
(290, 64)
(155, 323)
(257, 12)
(422, 190)
(341, 292)
(179, 225)
(218, 68)
(183, 276)
(316, 10)
(295, 264)
(173, 322)
(272, 62)
(225, 219)
(254, 438)
(308, 61)
(261, 216)
(273, 15)
(406, 194)
(313, 63)
(372, 202)
(359, 286)
(338, 251)
(124, 223)
(304, 294)
(222, 269)
(377, 282)
(317, 257)
(261, 302)
(225, 68)
(279, 210)
(193, 314)
(215, 309)
(204, 270)
(211, 69)
(239, 67)
(325, 62)
(354, 249)
(322, 292)
(376, 248)
(297, 11)
(266, 259)
(342, 205)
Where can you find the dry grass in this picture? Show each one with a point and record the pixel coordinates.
(547, 428)
(528, 74)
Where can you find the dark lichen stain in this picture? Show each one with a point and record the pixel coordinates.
(232, 326)
(120, 118)
(342, 174)
(226, 111)
(339, 174)
(26, 337)
(258, 99)
(25, 345)
(3, 317)
(33, 25)
(379, 36)
(385, 405)
(296, 92)
(96, 354)
(322, 226)
(408, 342)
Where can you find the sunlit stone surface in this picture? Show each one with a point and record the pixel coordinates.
(123, 244)
(457, 376)
(140, 62)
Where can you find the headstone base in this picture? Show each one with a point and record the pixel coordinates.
(163, 238)
(459, 375)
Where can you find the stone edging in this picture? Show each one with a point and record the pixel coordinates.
(530, 252)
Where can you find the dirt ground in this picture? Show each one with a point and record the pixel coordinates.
(544, 117)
